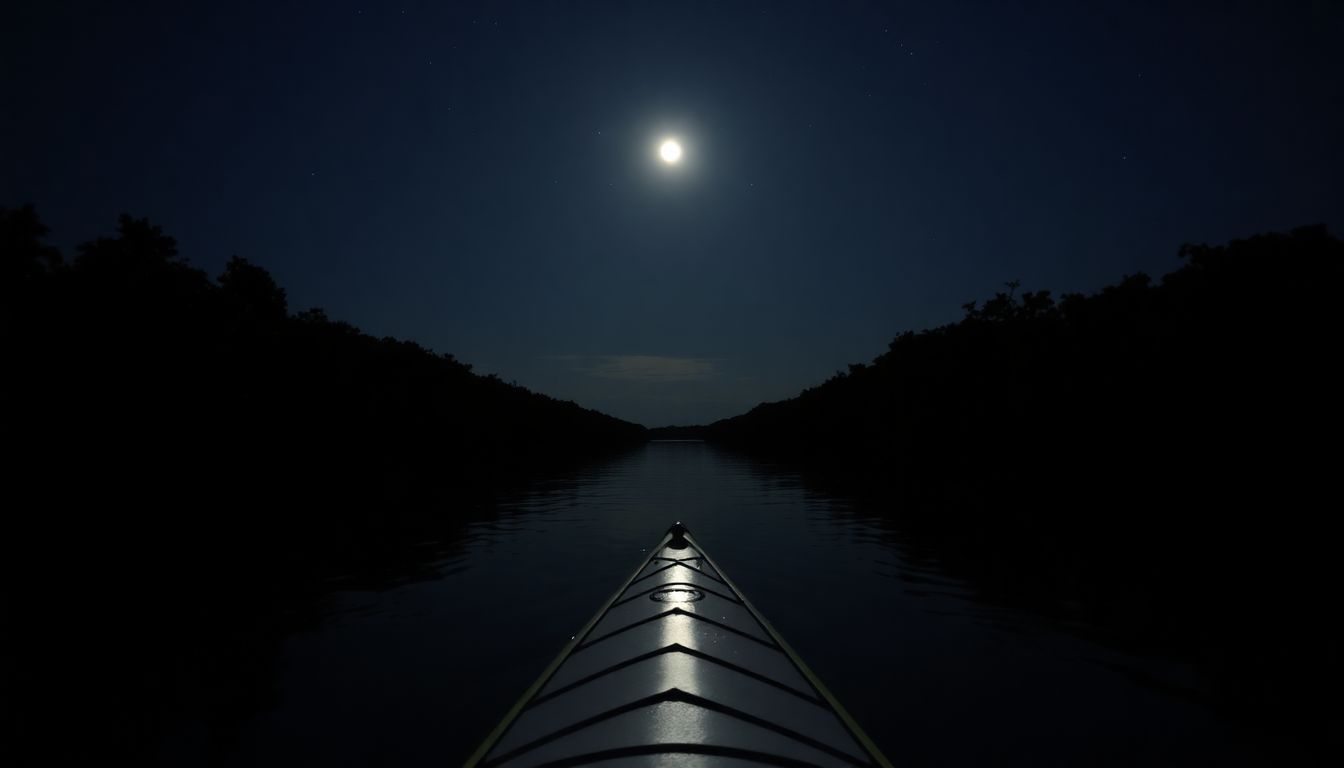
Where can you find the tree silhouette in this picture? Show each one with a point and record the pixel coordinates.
(140, 248)
(253, 291)
(1133, 449)
(23, 257)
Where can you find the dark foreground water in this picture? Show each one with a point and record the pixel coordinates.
(418, 674)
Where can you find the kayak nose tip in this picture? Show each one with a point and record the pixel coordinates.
(678, 533)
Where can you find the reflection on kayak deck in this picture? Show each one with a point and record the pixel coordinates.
(677, 664)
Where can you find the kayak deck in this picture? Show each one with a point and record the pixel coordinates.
(678, 669)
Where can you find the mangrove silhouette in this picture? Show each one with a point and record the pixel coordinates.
(1160, 457)
(183, 453)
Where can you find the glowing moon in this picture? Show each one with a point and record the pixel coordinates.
(670, 151)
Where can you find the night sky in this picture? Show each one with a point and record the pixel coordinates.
(483, 178)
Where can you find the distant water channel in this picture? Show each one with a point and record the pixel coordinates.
(419, 673)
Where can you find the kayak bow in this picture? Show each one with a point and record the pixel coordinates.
(677, 668)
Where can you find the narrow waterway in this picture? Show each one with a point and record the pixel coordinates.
(419, 673)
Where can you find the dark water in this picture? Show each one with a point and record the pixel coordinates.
(417, 674)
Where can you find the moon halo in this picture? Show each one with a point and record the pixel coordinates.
(670, 151)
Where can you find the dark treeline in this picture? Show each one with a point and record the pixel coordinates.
(181, 450)
(1161, 457)
(140, 369)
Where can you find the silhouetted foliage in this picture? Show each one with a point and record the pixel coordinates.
(1162, 455)
(253, 292)
(182, 451)
(24, 258)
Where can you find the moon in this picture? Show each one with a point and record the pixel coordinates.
(670, 151)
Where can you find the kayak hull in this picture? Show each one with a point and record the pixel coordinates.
(677, 668)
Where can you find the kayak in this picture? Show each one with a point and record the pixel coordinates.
(677, 668)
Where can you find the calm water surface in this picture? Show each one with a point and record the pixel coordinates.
(418, 674)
